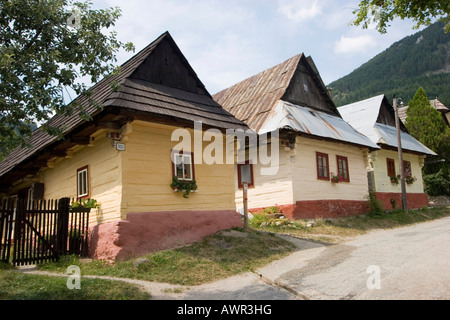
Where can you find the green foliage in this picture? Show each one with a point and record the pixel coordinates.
(382, 12)
(184, 186)
(437, 184)
(21, 286)
(375, 206)
(86, 203)
(417, 60)
(424, 122)
(270, 210)
(46, 47)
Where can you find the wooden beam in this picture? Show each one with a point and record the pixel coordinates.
(113, 125)
(58, 153)
(84, 141)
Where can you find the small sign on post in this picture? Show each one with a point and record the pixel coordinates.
(245, 200)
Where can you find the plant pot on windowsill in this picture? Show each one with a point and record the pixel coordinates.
(410, 180)
(80, 209)
(183, 186)
(335, 178)
(394, 180)
(85, 205)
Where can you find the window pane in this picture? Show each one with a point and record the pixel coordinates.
(179, 166)
(83, 183)
(323, 166)
(342, 168)
(407, 166)
(187, 167)
(183, 169)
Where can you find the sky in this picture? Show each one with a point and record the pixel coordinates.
(228, 41)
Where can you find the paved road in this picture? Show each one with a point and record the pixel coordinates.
(405, 263)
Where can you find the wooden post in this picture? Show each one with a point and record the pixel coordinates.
(400, 158)
(245, 199)
(63, 225)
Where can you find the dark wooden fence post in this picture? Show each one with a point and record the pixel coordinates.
(6, 227)
(19, 242)
(63, 225)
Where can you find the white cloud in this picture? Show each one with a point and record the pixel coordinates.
(299, 10)
(354, 44)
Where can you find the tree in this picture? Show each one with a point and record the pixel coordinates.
(425, 123)
(46, 47)
(382, 12)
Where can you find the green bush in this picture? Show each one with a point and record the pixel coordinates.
(437, 184)
(375, 206)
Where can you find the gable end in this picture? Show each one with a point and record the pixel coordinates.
(307, 89)
(167, 66)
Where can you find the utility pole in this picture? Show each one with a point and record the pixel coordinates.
(245, 198)
(400, 158)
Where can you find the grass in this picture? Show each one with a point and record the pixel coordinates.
(20, 286)
(338, 230)
(215, 257)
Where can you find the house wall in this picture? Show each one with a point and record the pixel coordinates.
(268, 190)
(306, 184)
(382, 180)
(147, 174)
(105, 178)
(297, 192)
(385, 190)
(153, 216)
(321, 198)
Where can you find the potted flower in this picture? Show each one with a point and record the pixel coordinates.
(394, 179)
(183, 186)
(410, 180)
(84, 205)
(335, 178)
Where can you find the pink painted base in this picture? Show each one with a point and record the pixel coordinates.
(414, 200)
(142, 233)
(313, 209)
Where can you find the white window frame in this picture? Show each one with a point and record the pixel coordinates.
(83, 182)
(186, 161)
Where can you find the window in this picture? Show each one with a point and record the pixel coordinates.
(390, 167)
(342, 163)
(245, 174)
(182, 165)
(407, 169)
(83, 182)
(30, 199)
(322, 166)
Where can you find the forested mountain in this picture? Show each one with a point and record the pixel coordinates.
(422, 59)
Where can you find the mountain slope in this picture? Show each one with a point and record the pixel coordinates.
(422, 59)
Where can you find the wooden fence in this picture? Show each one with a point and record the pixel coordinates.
(41, 231)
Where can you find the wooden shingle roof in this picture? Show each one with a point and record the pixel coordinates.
(157, 84)
(252, 99)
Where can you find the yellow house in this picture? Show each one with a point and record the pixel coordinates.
(128, 156)
(320, 169)
(375, 118)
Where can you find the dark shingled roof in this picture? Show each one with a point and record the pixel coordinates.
(144, 90)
